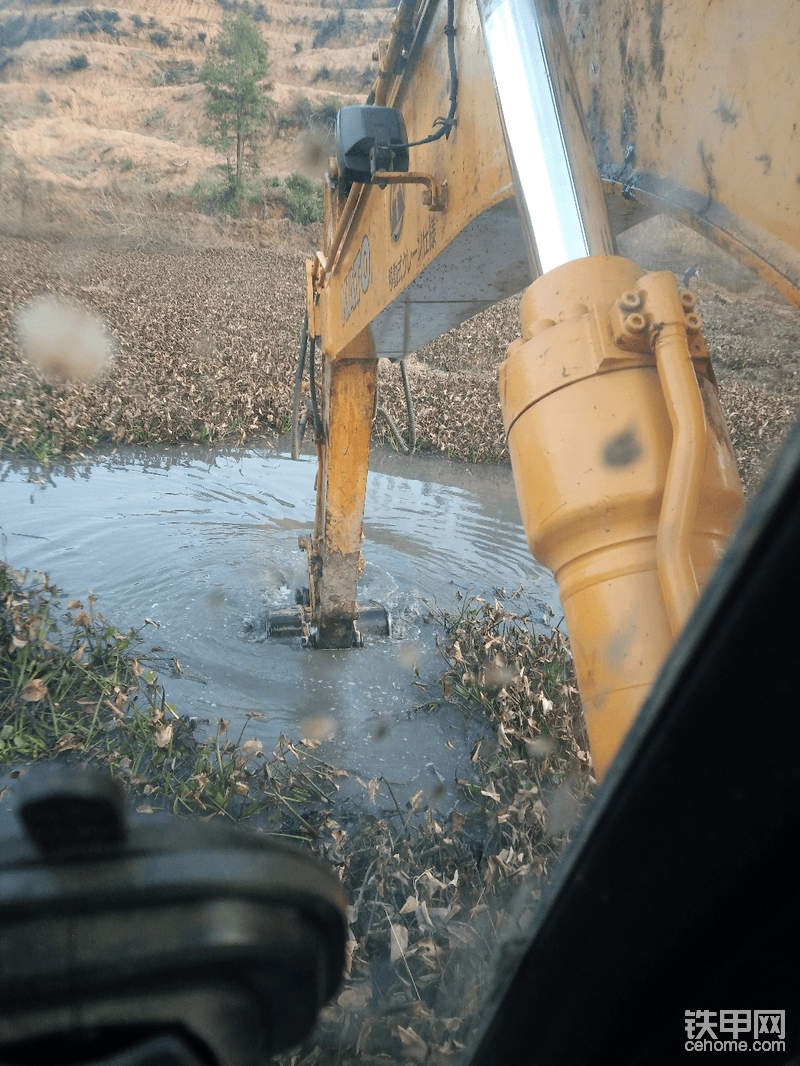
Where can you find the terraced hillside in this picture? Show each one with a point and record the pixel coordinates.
(103, 106)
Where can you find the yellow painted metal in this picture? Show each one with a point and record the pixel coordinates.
(335, 560)
(601, 430)
(404, 269)
(676, 523)
(692, 110)
(691, 113)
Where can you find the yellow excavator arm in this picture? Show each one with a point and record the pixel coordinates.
(504, 145)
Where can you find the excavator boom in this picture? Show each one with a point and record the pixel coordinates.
(505, 144)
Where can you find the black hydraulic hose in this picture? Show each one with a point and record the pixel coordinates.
(411, 447)
(299, 421)
(444, 124)
(297, 433)
(312, 380)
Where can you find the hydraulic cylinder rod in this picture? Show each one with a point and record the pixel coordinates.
(559, 196)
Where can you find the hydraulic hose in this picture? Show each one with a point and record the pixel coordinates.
(299, 421)
(445, 124)
(297, 434)
(313, 385)
(405, 449)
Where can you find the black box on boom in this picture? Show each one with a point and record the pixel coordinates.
(369, 139)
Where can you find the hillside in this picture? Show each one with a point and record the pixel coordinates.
(100, 108)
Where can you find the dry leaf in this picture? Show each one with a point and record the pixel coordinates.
(414, 1045)
(163, 736)
(372, 786)
(34, 691)
(458, 821)
(399, 941)
(356, 997)
(69, 742)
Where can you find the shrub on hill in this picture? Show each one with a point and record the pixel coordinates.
(327, 28)
(304, 199)
(20, 28)
(304, 115)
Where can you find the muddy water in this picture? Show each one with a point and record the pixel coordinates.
(203, 542)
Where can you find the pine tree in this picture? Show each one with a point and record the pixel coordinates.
(238, 103)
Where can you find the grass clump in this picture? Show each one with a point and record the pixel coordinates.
(154, 116)
(72, 686)
(523, 682)
(61, 680)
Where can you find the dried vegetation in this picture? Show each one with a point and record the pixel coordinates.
(73, 686)
(432, 895)
(205, 342)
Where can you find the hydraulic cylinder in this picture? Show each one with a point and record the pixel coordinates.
(624, 470)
